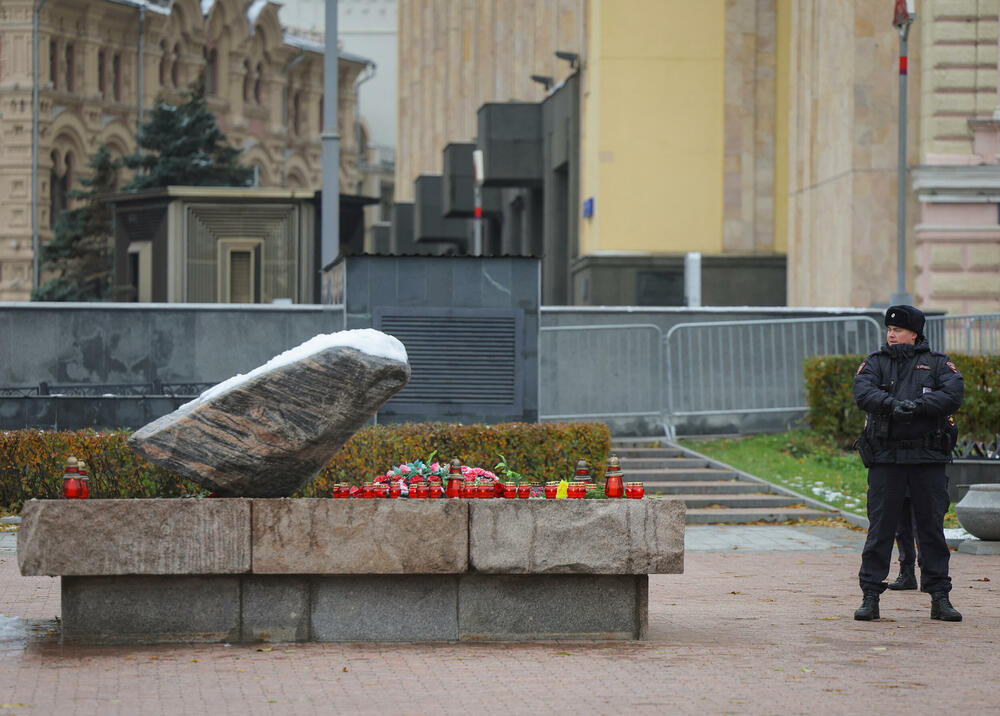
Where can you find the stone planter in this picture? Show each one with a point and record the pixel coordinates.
(144, 571)
(979, 511)
(964, 472)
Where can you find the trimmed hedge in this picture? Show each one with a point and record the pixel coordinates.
(31, 461)
(830, 395)
(539, 451)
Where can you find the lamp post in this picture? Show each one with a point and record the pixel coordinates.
(903, 17)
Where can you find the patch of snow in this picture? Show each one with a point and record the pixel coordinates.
(12, 628)
(957, 533)
(366, 340)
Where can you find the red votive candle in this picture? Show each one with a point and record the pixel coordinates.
(486, 490)
(380, 489)
(436, 491)
(524, 491)
(419, 490)
(71, 487)
(509, 490)
(551, 488)
(395, 490)
(368, 490)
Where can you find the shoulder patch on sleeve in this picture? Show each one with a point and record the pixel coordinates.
(861, 367)
(952, 366)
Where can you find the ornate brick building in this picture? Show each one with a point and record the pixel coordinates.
(95, 58)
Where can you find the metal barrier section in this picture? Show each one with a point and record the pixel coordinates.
(971, 334)
(600, 372)
(725, 368)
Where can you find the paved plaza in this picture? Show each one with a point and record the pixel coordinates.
(759, 623)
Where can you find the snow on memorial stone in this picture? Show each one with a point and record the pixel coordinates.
(270, 432)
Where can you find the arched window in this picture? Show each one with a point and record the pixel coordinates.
(102, 85)
(116, 77)
(321, 114)
(59, 184)
(211, 71)
(256, 83)
(247, 80)
(70, 67)
(164, 63)
(175, 70)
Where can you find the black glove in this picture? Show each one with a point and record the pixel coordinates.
(904, 410)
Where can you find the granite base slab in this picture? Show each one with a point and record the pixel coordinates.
(979, 546)
(151, 609)
(354, 608)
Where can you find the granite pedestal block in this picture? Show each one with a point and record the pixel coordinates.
(351, 570)
(151, 609)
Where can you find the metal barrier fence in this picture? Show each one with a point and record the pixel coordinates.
(970, 334)
(734, 367)
(106, 390)
(600, 371)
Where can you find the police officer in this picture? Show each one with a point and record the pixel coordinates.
(909, 395)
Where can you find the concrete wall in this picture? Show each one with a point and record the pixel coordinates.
(107, 343)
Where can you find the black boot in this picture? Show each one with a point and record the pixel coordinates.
(906, 579)
(869, 607)
(941, 608)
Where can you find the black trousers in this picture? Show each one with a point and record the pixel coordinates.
(928, 490)
(904, 535)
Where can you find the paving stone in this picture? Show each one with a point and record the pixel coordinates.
(385, 608)
(111, 537)
(151, 609)
(576, 536)
(326, 536)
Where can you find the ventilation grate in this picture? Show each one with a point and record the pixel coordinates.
(457, 358)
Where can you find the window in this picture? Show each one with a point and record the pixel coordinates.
(240, 277)
(102, 87)
(69, 67)
(256, 83)
(321, 114)
(140, 271)
(297, 113)
(53, 63)
(164, 63)
(387, 191)
(59, 188)
(175, 69)
(211, 70)
(116, 77)
(247, 79)
(239, 271)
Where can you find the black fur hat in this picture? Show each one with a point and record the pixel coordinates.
(905, 317)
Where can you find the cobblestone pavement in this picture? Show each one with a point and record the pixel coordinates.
(749, 630)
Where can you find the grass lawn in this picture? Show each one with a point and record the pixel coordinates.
(802, 460)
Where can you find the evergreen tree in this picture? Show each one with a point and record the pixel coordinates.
(80, 252)
(184, 146)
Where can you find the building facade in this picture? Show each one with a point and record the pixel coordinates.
(760, 133)
(95, 58)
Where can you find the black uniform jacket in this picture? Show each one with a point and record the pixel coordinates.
(908, 372)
